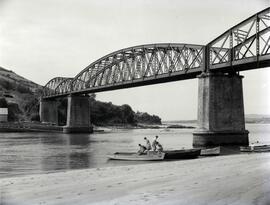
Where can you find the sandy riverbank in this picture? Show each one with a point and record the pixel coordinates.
(237, 179)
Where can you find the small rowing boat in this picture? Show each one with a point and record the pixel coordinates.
(255, 148)
(210, 151)
(246, 148)
(133, 156)
(156, 156)
(182, 154)
(262, 148)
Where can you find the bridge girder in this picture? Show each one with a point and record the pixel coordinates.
(243, 46)
(140, 62)
(63, 86)
(49, 88)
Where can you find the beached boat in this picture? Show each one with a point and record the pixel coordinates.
(182, 154)
(210, 151)
(261, 148)
(156, 156)
(246, 148)
(255, 148)
(133, 156)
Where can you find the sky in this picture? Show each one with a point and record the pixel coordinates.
(43, 39)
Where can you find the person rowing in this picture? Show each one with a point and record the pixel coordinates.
(142, 149)
(148, 144)
(154, 143)
(159, 147)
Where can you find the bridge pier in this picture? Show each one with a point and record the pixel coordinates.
(48, 111)
(78, 115)
(221, 119)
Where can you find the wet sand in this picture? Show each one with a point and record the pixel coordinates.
(236, 179)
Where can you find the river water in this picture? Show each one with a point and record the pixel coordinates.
(33, 153)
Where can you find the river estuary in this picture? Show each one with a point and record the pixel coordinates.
(33, 153)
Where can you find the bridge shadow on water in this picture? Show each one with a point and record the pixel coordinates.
(229, 150)
(68, 152)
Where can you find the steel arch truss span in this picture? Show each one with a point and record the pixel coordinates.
(140, 65)
(53, 85)
(64, 86)
(244, 46)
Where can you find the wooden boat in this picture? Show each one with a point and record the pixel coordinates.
(210, 151)
(255, 148)
(246, 148)
(133, 156)
(182, 154)
(156, 156)
(261, 148)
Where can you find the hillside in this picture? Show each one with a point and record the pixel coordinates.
(105, 113)
(21, 96)
(8, 77)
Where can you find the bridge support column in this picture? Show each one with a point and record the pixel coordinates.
(48, 111)
(221, 119)
(78, 115)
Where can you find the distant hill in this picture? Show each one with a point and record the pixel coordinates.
(21, 95)
(255, 118)
(249, 118)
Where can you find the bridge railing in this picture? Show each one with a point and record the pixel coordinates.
(246, 42)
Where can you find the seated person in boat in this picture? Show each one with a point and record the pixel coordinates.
(154, 143)
(159, 147)
(142, 149)
(148, 144)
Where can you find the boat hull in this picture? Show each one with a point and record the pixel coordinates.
(132, 156)
(246, 149)
(211, 151)
(182, 154)
(262, 148)
(157, 156)
(254, 148)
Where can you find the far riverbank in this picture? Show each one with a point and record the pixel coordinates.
(47, 127)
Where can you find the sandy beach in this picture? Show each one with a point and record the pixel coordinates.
(236, 179)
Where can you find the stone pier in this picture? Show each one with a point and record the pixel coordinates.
(48, 111)
(78, 115)
(221, 119)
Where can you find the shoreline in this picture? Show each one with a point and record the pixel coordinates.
(28, 127)
(233, 179)
(44, 127)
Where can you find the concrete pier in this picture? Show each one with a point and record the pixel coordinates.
(48, 111)
(221, 119)
(78, 115)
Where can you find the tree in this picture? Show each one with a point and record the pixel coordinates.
(3, 102)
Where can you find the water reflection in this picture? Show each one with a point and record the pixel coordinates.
(66, 151)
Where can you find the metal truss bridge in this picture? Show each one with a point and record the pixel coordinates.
(244, 46)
